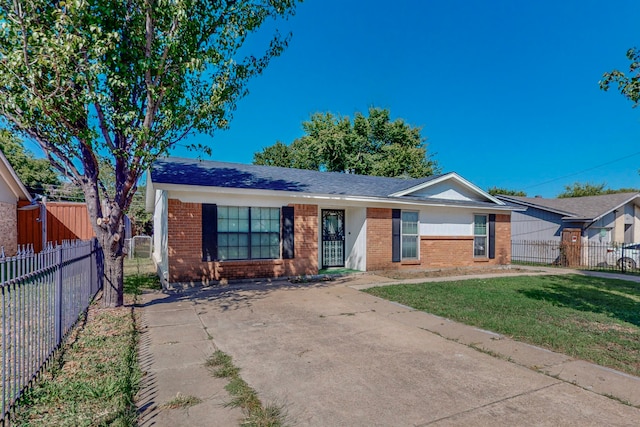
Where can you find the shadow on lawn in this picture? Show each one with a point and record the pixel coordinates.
(615, 298)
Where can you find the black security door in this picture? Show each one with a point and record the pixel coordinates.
(332, 238)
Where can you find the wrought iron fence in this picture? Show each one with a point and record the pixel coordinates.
(624, 257)
(42, 297)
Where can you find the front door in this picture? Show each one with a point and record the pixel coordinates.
(332, 238)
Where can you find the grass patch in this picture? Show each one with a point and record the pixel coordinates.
(182, 401)
(94, 377)
(243, 396)
(589, 318)
(140, 273)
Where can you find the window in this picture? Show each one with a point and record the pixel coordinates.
(248, 233)
(480, 233)
(410, 235)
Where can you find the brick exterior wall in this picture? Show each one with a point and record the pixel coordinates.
(379, 240)
(184, 228)
(185, 247)
(9, 228)
(435, 251)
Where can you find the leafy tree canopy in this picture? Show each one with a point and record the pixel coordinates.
(578, 189)
(368, 145)
(120, 82)
(628, 85)
(35, 174)
(497, 190)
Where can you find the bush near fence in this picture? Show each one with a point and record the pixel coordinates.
(590, 255)
(42, 296)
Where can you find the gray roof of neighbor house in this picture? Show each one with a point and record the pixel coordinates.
(583, 209)
(235, 175)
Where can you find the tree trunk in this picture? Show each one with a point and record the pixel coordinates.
(109, 237)
(113, 292)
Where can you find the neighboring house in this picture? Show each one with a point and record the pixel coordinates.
(595, 219)
(12, 190)
(217, 220)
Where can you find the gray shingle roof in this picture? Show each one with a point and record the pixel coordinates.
(588, 208)
(235, 175)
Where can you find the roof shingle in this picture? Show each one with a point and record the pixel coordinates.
(588, 208)
(235, 175)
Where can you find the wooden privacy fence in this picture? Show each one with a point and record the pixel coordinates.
(42, 296)
(52, 222)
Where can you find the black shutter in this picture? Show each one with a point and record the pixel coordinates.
(288, 251)
(492, 236)
(396, 216)
(209, 232)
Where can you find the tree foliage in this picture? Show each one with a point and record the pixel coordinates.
(368, 145)
(121, 82)
(628, 85)
(35, 174)
(578, 189)
(494, 191)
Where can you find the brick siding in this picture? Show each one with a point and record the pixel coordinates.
(185, 247)
(184, 228)
(379, 240)
(435, 251)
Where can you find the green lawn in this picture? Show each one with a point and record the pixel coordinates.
(584, 317)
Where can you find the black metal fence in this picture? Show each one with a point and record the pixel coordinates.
(618, 257)
(42, 297)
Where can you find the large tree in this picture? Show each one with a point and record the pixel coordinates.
(370, 145)
(628, 85)
(36, 174)
(121, 82)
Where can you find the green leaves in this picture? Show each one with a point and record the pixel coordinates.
(628, 86)
(34, 173)
(371, 145)
(126, 79)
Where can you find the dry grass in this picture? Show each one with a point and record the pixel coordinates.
(92, 380)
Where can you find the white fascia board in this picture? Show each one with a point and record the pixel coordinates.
(449, 176)
(180, 188)
(12, 179)
(150, 196)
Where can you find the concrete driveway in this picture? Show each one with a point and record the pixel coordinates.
(335, 356)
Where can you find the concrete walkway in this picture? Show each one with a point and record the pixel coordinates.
(331, 355)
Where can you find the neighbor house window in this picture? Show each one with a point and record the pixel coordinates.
(248, 233)
(480, 233)
(410, 235)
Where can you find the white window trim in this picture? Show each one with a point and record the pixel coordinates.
(486, 236)
(417, 236)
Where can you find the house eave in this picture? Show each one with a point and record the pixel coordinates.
(13, 181)
(535, 206)
(448, 176)
(326, 197)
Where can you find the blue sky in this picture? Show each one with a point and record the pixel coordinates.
(506, 91)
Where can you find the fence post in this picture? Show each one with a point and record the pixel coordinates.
(58, 301)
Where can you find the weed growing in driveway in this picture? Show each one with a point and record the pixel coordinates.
(182, 401)
(243, 396)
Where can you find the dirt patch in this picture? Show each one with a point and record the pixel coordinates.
(448, 272)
